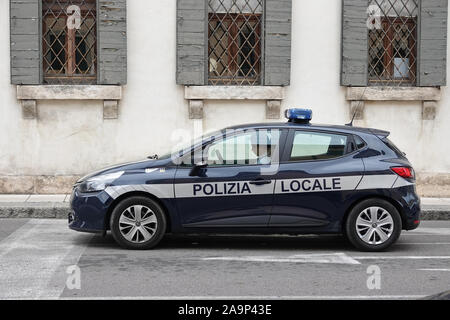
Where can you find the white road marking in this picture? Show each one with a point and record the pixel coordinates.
(438, 270)
(334, 258)
(330, 297)
(401, 257)
(33, 255)
(430, 231)
(422, 243)
(11, 242)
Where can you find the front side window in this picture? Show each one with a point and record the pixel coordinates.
(254, 147)
(317, 146)
(234, 45)
(393, 42)
(69, 41)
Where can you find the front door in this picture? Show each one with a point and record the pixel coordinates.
(235, 189)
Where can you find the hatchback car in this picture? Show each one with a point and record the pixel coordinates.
(271, 178)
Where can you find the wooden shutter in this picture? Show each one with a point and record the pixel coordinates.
(191, 42)
(433, 43)
(354, 57)
(112, 42)
(25, 42)
(277, 54)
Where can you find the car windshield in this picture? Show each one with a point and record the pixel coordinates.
(188, 145)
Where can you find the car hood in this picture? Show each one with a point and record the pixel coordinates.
(127, 167)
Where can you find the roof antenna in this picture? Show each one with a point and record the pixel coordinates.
(350, 124)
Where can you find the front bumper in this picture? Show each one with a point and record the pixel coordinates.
(89, 211)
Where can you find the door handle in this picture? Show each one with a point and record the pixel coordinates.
(260, 182)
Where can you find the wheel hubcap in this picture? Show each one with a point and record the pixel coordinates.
(138, 224)
(374, 225)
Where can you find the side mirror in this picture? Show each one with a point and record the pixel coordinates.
(197, 168)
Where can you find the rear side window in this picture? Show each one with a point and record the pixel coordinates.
(317, 146)
(393, 147)
(356, 144)
(359, 142)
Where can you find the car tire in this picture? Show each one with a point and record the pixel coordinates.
(138, 223)
(373, 225)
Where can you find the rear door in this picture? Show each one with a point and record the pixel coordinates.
(319, 171)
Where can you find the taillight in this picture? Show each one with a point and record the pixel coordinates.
(404, 172)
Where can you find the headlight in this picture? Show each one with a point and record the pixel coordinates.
(99, 183)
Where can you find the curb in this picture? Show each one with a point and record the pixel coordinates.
(436, 215)
(35, 211)
(62, 210)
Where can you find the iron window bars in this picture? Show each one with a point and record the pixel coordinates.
(235, 41)
(392, 42)
(69, 41)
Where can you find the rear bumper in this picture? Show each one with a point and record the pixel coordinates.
(412, 224)
(409, 201)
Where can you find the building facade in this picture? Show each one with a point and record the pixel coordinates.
(89, 83)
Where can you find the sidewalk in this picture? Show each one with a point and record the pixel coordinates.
(57, 206)
(54, 206)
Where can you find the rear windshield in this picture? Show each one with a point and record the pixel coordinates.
(393, 147)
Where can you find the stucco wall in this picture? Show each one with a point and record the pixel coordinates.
(71, 138)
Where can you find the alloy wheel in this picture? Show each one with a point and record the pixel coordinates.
(138, 224)
(374, 225)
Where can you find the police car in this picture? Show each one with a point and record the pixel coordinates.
(278, 178)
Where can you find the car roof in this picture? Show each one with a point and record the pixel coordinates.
(294, 125)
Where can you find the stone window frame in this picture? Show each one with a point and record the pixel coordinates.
(26, 23)
(192, 65)
(385, 19)
(229, 26)
(431, 64)
(29, 95)
(358, 96)
(64, 50)
(272, 95)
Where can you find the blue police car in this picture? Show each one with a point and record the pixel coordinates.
(276, 178)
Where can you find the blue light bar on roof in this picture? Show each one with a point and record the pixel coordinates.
(300, 115)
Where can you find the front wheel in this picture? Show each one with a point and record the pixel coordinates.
(373, 225)
(138, 223)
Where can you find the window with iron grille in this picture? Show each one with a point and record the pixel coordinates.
(235, 41)
(69, 41)
(393, 42)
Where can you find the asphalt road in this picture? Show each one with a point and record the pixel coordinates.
(35, 256)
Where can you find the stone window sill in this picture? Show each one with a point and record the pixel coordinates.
(30, 94)
(197, 94)
(393, 94)
(428, 95)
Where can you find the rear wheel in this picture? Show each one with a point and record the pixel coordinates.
(138, 223)
(373, 225)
